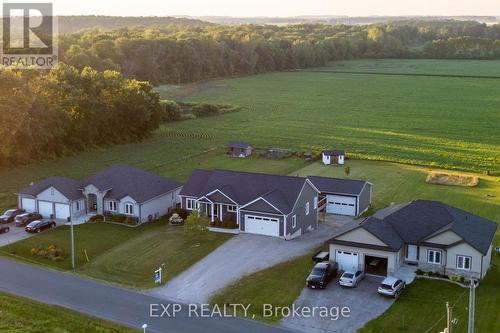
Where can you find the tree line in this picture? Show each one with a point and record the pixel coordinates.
(45, 115)
(186, 53)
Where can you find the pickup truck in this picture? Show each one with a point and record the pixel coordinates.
(321, 256)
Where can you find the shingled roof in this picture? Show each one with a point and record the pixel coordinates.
(337, 185)
(67, 186)
(244, 187)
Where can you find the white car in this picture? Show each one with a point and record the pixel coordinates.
(351, 279)
(392, 287)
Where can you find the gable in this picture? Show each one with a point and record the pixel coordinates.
(217, 196)
(360, 235)
(128, 199)
(53, 195)
(91, 189)
(262, 206)
(445, 238)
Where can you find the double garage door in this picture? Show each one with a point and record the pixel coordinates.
(60, 211)
(347, 261)
(340, 205)
(262, 225)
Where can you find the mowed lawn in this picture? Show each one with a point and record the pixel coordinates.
(447, 122)
(120, 254)
(423, 303)
(19, 314)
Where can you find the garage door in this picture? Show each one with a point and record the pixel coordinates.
(262, 225)
(348, 261)
(62, 211)
(28, 205)
(338, 204)
(45, 208)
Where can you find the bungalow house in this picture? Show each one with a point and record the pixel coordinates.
(431, 235)
(239, 149)
(116, 190)
(333, 157)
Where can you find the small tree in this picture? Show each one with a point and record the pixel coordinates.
(195, 224)
(347, 171)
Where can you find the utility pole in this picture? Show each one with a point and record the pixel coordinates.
(449, 321)
(472, 299)
(72, 243)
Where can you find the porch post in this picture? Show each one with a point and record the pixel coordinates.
(220, 213)
(212, 209)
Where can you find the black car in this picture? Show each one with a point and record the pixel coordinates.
(10, 214)
(26, 218)
(4, 229)
(38, 225)
(321, 274)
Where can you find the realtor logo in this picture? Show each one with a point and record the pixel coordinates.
(28, 31)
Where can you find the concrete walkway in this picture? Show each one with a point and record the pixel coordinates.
(242, 255)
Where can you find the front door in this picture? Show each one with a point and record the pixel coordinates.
(412, 253)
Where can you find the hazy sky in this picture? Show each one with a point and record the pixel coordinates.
(276, 7)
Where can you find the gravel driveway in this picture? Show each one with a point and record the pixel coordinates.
(239, 256)
(364, 304)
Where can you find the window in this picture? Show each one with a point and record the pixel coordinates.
(78, 208)
(433, 257)
(190, 204)
(52, 192)
(129, 208)
(307, 208)
(231, 208)
(464, 262)
(112, 206)
(315, 204)
(294, 221)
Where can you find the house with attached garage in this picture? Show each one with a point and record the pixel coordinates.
(115, 190)
(272, 205)
(430, 235)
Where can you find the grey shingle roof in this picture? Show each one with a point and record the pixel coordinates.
(125, 180)
(333, 152)
(337, 185)
(244, 187)
(238, 144)
(67, 186)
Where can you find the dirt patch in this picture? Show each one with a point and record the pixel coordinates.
(452, 179)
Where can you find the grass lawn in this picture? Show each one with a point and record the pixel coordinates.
(22, 315)
(123, 255)
(267, 286)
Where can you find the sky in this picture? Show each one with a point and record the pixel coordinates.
(274, 7)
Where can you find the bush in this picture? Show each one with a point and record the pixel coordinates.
(179, 211)
(205, 110)
(97, 218)
(171, 111)
(34, 251)
(131, 220)
(119, 218)
(456, 278)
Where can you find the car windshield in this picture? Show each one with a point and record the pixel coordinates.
(318, 271)
(385, 286)
(347, 275)
(9, 212)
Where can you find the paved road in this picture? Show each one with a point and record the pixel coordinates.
(122, 306)
(240, 256)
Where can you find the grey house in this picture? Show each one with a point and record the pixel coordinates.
(431, 235)
(279, 206)
(116, 190)
(239, 149)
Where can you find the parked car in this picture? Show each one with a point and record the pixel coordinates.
(24, 219)
(4, 229)
(392, 287)
(321, 274)
(351, 279)
(40, 225)
(10, 214)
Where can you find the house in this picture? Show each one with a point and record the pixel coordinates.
(279, 206)
(431, 235)
(239, 149)
(115, 190)
(333, 157)
(349, 197)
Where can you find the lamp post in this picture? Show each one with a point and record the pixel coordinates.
(144, 326)
(72, 243)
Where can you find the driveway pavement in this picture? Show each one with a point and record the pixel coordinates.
(242, 255)
(364, 304)
(17, 233)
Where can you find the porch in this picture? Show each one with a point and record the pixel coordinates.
(218, 212)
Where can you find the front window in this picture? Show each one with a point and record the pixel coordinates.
(78, 206)
(112, 206)
(231, 208)
(315, 202)
(294, 221)
(464, 262)
(190, 204)
(434, 257)
(129, 209)
(307, 208)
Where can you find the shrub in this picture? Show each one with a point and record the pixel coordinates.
(119, 218)
(456, 278)
(97, 218)
(205, 110)
(171, 111)
(34, 251)
(59, 258)
(42, 253)
(179, 211)
(131, 220)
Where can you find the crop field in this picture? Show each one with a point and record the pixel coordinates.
(439, 121)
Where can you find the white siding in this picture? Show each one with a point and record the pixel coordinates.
(128, 200)
(362, 236)
(393, 262)
(446, 238)
(52, 195)
(465, 250)
(159, 205)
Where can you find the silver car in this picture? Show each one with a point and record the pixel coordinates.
(391, 287)
(351, 279)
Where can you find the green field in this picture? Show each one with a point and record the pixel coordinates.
(123, 255)
(22, 315)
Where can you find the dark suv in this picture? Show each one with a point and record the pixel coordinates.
(10, 214)
(26, 218)
(38, 226)
(321, 274)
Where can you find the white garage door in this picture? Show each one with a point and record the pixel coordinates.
(28, 205)
(348, 261)
(262, 225)
(45, 208)
(62, 211)
(338, 204)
